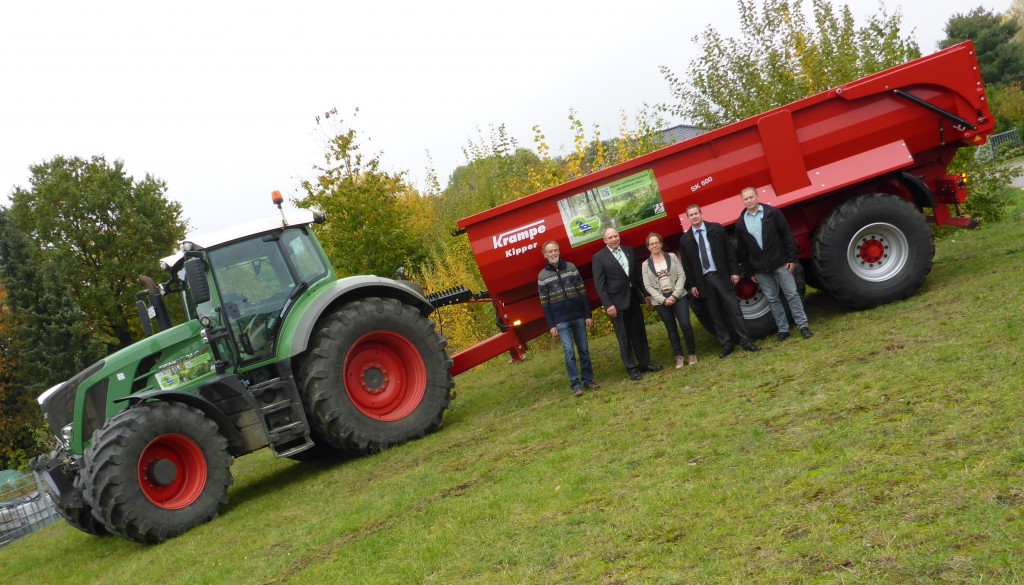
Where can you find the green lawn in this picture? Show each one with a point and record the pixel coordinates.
(885, 449)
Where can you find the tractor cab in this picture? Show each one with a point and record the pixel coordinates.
(240, 282)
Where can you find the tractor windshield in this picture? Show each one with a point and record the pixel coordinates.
(255, 278)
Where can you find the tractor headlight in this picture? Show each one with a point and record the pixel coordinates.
(65, 436)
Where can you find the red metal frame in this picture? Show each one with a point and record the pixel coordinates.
(511, 340)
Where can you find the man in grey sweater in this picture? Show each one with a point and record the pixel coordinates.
(563, 297)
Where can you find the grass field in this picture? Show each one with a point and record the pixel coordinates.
(885, 449)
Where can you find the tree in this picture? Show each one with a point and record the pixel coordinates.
(45, 337)
(1001, 59)
(780, 58)
(100, 229)
(371, 228)
(1016, 13)
(1007, 105)
(15, 409)
(497, 171)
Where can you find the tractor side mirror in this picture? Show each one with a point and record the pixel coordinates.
(195, 275)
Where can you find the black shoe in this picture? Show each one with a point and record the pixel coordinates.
(591, 385)
(727, 350)
(782, 336)
(650, 368)
(749, 346)
(806, 332)
(635, 375)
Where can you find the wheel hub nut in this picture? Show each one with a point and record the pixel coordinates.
(162, 472)
(375, 378)
(872, 251)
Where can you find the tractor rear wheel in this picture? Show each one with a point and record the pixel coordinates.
(872, 250)
(154, 471)
(376, 375)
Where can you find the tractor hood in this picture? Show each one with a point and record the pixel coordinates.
(82, 399)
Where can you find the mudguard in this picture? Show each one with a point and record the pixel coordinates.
(302, 319)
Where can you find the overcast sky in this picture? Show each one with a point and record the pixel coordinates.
(219, 98)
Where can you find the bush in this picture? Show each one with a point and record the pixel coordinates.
(989, 180)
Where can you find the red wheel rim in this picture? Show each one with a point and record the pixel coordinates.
(746, 289)
(385, 376)
(172, 471)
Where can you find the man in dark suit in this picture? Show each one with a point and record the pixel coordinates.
(618, 283)
(711, 271)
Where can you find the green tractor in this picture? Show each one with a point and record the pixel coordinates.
(275, 351)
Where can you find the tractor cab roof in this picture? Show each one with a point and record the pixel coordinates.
(238, 232)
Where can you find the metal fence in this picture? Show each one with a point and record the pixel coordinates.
(997, 140)
(24, 506)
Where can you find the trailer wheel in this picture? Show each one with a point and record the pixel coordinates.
(154, 471)
(757, 313)
(872, 250)
(377, 375)
(810, 276)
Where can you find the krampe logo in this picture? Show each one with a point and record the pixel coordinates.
(525, 233)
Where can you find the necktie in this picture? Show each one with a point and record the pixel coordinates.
(622, 260)
(703, 250)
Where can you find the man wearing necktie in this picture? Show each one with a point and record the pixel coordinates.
(618, 283)
(711, 270)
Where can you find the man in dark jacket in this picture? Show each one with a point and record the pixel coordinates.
(563, 297)
(618, 283)
(765, 244)
(711, 270)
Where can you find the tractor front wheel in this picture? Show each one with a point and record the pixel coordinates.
(81, 517)
(154, 471)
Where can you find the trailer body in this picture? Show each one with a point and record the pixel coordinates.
(887, 136)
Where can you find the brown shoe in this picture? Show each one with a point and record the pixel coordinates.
(577, 391)
(591, 385)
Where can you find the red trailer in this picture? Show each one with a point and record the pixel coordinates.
(858, 170)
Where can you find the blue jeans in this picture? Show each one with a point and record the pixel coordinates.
(771, 283)
(576, 330)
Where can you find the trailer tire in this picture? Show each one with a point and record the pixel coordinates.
(872, 250)
(376, 376)
(154, 471)
(810, 276)
(757, 314)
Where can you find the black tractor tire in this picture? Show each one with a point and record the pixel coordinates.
(872, 250)
(757, 314)
(156, 470)
(81, 517)
(376, 375)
